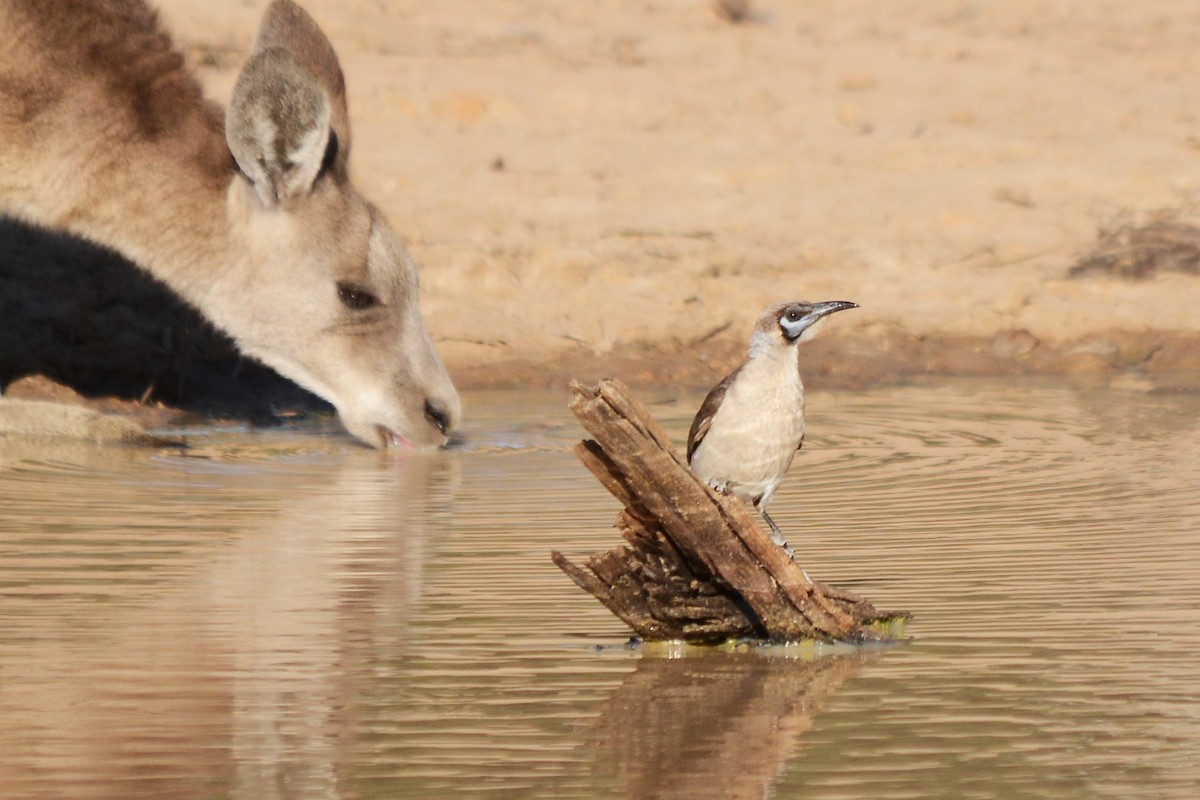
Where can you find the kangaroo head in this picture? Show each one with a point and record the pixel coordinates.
(328, 296)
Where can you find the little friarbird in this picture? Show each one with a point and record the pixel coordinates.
(751, 424)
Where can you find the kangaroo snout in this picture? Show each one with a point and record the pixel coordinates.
(400, 420)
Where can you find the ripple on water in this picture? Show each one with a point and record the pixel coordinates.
(286, 608)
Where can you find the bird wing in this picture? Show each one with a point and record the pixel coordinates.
(708, 410)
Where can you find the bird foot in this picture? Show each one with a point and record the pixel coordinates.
(779, 540)
(777, 535)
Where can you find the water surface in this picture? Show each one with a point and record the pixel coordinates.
(281, 614)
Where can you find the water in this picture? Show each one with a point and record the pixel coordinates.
(281, 614)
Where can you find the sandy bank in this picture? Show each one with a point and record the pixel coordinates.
(611, 178)
(619, 188)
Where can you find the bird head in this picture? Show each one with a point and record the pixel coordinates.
(789, 323)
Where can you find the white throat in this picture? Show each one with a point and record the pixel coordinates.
(810, 333)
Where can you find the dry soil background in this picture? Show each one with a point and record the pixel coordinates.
(622, 185)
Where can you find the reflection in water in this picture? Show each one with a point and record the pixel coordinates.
(672, 719)
(283, 614)
(227, 641)
(318, 589)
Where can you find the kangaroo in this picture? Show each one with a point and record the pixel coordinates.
(249, 215)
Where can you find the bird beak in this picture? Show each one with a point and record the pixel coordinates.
(806, 327)
(825, 309)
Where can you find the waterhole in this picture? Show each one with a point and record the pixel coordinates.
(283, 614)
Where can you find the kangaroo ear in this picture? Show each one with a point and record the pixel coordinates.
(277, 127)
(289, 27)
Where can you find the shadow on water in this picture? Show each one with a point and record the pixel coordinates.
(86, 317)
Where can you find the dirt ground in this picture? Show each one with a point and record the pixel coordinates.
(623, 185)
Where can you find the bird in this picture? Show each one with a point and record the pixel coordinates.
(750, 426)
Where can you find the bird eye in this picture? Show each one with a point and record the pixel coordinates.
(356, 297)
(793, 314)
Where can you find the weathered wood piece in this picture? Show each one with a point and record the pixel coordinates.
(696, 565)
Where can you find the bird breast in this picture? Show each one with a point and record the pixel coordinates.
(757, 429)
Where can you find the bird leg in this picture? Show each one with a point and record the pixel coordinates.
(776, 534)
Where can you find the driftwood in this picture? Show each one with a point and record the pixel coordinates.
(696, 565)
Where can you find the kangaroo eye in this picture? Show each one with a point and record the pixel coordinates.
(356, 297)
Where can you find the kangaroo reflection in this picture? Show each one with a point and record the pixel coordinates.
(310, 600)
(720, 725)
(227, 655)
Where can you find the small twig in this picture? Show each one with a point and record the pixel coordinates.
(735, 11)
(481, 342)
(714, 332)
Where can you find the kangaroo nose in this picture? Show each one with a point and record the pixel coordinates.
(437, 415)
